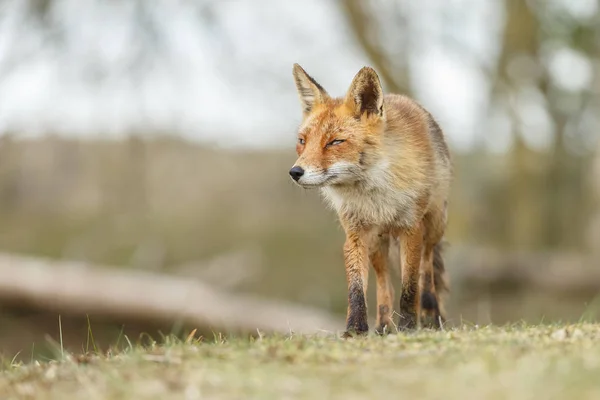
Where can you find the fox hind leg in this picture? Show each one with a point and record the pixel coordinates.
(385, 290)
(432, 283)
(411, 245)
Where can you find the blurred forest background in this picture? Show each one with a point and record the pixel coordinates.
(156, 136)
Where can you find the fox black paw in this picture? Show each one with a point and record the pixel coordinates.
(407, 322)
(430, 311)
(353, 333)
(356, 328)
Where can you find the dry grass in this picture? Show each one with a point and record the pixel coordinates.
(516, 362)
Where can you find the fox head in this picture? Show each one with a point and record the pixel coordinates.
(338, 137)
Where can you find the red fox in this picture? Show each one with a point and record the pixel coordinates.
(382, 163)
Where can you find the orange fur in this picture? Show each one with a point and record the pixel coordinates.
(382, 163)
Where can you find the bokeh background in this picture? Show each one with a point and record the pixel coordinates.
(153, 138)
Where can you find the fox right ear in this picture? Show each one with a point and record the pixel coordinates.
(309, 91)
(365, 94)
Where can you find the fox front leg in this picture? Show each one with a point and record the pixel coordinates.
(356, 263)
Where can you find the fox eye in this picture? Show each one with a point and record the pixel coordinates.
(334, 142)
(301, 141)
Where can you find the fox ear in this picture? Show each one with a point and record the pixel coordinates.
(365, 93)
(310, 92)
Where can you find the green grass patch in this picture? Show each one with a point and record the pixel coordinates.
(517, 362)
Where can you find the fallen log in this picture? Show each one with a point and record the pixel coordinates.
(82, 289)
(78, 288)
(476, 269)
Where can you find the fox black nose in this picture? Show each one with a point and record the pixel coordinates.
(296, 173)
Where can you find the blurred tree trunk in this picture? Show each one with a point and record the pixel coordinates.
(594, 227)
(545, 203)
(364, 24)
(9, 174)
(520, 38)
(566, 193)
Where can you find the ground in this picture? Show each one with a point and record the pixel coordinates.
(516, 362)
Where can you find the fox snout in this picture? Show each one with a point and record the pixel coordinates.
(296, 173)
(308, 177)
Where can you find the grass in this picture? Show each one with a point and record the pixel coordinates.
(516, 362)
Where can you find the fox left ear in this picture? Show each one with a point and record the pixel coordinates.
(309, 91)
(365, 94)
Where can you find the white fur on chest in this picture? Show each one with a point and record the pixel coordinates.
(375, 200)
